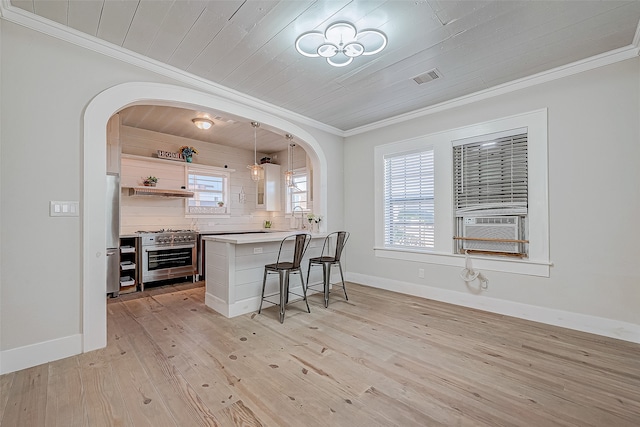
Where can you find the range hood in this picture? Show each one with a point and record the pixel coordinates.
(159, 192)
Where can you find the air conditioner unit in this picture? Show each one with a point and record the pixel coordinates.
(491, 227)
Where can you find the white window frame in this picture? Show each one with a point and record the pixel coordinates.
(289, 203)
(538, 263)
(214, 212)
(411, 192)
(490, 180)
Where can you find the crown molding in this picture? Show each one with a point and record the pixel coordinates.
(54, 29)
(597, 61)
(29, 20)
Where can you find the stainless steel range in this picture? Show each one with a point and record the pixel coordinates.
(167, 254)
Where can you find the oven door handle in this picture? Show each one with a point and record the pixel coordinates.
(159, 248)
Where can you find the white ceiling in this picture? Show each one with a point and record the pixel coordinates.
(226, 130)
(248, 46)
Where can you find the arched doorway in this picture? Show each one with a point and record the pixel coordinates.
(96, 116)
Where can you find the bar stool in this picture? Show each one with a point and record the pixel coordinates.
(284, 268)
(327, 261)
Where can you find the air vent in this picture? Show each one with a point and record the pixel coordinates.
(427, 77)
(224, 119)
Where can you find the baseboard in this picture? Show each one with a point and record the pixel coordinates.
(216, 304)
(244, 306)
(19, 358)
(566, 319)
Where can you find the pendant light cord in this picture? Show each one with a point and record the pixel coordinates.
(255, 142)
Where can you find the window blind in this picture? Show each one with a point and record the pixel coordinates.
(409, 199)
(491, 174)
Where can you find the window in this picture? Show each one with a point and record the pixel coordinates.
(491, 174)
(409, 200)
(490, 178)
(210, 192)
(529, 216)
(298, 193)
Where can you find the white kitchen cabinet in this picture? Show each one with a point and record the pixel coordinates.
(268, 190)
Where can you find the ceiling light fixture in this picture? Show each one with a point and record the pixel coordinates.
(288, 175)
(340, 43)
(202, 123)
(255, 167)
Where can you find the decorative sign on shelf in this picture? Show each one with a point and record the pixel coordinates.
(170, 155)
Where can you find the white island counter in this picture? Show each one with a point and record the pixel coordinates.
(235, 267)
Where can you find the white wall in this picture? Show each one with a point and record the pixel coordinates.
(152, 213)
(594, 152)
(41, 285)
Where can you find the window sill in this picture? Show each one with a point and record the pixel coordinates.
(481, 262)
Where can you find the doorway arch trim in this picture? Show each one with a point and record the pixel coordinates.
(96, 115)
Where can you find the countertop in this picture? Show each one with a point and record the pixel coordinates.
(260, 230)
(271, 236)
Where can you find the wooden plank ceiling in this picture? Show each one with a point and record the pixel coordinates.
(248, 46)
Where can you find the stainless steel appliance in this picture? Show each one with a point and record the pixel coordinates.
(167, 254)
(113, 234)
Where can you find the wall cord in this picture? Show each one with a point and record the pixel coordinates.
(468, 274)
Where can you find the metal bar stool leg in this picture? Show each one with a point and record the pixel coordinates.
(284, 286)
(344, 288)
(264, 282)
(326, 271)
(304, 292)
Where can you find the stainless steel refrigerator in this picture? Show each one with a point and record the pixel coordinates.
(113, 234)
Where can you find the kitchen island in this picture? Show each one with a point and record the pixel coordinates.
(235, 268)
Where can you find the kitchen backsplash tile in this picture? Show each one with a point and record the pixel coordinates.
(152, 213)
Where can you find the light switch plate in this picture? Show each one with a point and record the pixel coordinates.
(59, 208)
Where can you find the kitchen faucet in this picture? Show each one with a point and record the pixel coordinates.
(293, 213)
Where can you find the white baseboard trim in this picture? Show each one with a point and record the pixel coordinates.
(248, 305)
(19, 358)
(566, 319)
(216, 304)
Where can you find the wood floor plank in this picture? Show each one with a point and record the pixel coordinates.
(104, 405)
(140, 397)
(5, 387)
(238, 414)
(379, 359)
(65, 395)
(177, 394)
(27, 401)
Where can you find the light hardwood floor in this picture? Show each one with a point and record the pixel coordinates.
(380, 359)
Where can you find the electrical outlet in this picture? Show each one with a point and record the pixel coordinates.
(421, 273)
(257, 250)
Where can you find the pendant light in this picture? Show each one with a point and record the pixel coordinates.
(288, 175)
(255, 167)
